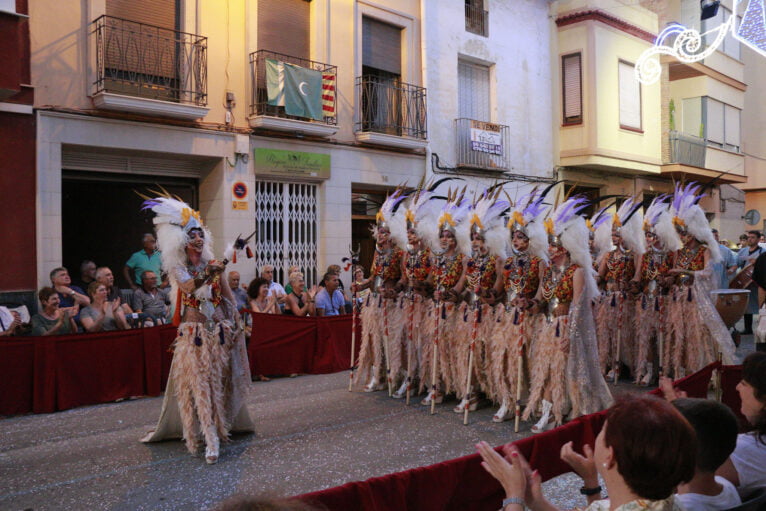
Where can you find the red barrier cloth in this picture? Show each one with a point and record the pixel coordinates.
(17, 367)
(730, 377)
(695, 385)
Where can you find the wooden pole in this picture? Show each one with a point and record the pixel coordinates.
(435, 358)
(385, 346)
(353, 340)
(410, 343)
(519, 368)
(616, 368)
(472, 347)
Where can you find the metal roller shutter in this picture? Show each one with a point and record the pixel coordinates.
(283, 27)
(160, 13)
(381, 46)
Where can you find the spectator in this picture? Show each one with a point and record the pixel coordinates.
(329, 299)
(69, 295)
(727, 265)
(746, 467)
(361, 295)
(745, 257)
(10, 321)
(52, 319)
(274, 287)
(300, 302)
(644, 450)
(146, 259)
(292, 269)
(87, 275)
(150, 300)
(742, 241)
(716, 428)
(102, 314)
(334, 268)
(105, 276)
(239, 294)
(259, 298)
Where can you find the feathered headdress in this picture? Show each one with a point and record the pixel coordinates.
(600, 230)
(453, 213)
(688, 217)
(419, 212)
(385, 215)
(566, 228)
(658, 220)
(628, 222)
(527, 218)
(485, 220)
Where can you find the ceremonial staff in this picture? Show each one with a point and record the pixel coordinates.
(352, 261)
(519, 368)
(437, 308)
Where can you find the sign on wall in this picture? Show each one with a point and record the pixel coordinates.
(292, 163)
(239, 196)
(485, 138)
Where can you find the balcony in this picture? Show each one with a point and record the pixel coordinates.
(391, 113)
(476, 20)
(481, 145)
(687, 149)
(271, 115)
(149, 70)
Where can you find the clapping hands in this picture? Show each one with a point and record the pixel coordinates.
(513, 472)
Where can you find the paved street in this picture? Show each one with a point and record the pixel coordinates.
(311, 434)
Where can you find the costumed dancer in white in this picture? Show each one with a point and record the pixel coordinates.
(209, 374)
(564, 375)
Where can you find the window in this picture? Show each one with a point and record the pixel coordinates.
(713, 120)
(691, 117)
(730, 45)
(476, 18)
(630, 97)
(283, 27)
(381, 88)
(473, 91)
(571, 73)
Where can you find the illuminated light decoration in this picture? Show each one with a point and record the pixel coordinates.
(686, 47)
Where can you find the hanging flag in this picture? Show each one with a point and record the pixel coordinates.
(303, 92)
(328, 94)
(275, 82)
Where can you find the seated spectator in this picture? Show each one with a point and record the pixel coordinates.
(334, 268)
(69, 295)
(300, 302)
(644, 450)
(746, 467)
(716, 428)
(361, 295)
(146, 259)
(52, 319)
(329, 299)
(290, 270)
(87, 275)
(10, 322)
(274, 287)
(102, 314)
(150, 300)
(104, 276)
(259, 298)
(239, 294)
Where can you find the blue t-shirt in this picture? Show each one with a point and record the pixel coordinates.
(331, 305)
(140, 262)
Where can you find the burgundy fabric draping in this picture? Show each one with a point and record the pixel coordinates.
(282, 344)
(696, 384)
(17, 367)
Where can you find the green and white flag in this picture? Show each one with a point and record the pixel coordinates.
(296, 88)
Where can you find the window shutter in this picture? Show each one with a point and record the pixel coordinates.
(715, 121)
(381, 46)
(572, 85)
(473, 91)
(691, 116)
(732, 116)
(284, 27)
(160, 13)
(630, 97)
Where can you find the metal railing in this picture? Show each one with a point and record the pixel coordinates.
(151, 62)
(482, 145)
(687, 149)
(389, 106)
(476, 20)
(259, 99)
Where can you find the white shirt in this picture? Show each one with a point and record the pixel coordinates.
(749, 459)
(724, 500)
(6, 318)
(277, 288)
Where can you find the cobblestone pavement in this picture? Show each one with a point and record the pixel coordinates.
(311, 434)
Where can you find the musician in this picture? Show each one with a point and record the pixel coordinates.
(746, 257)
(727, 266)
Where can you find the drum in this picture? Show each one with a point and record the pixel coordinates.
(730, 304)
(743, 278)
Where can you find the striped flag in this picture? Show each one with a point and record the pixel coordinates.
(328, 94)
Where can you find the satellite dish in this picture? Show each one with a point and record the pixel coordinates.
(752, 217)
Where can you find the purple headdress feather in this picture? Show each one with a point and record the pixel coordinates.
(571, 208)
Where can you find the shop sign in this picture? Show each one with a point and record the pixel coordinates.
(292, 163)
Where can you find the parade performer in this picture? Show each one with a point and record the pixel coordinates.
(564, 375)
(650, 321)
(516, 327)
(382, 320)
(617, 269)
(482, 239)
(209, 374)
(448, 269)
(697, 331)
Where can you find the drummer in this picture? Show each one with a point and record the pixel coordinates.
(727, 266)
(745, 257)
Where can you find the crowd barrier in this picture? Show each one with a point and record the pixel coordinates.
(463, 484)
(48, 374)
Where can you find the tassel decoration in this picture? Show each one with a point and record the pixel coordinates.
(248, 252)
(221, 335)
(234, 257)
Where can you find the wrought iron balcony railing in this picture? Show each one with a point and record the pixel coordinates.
(150, 62)
(391, 107)
(476, 20)
(482, 145)
(687, 149)
(259, 101)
